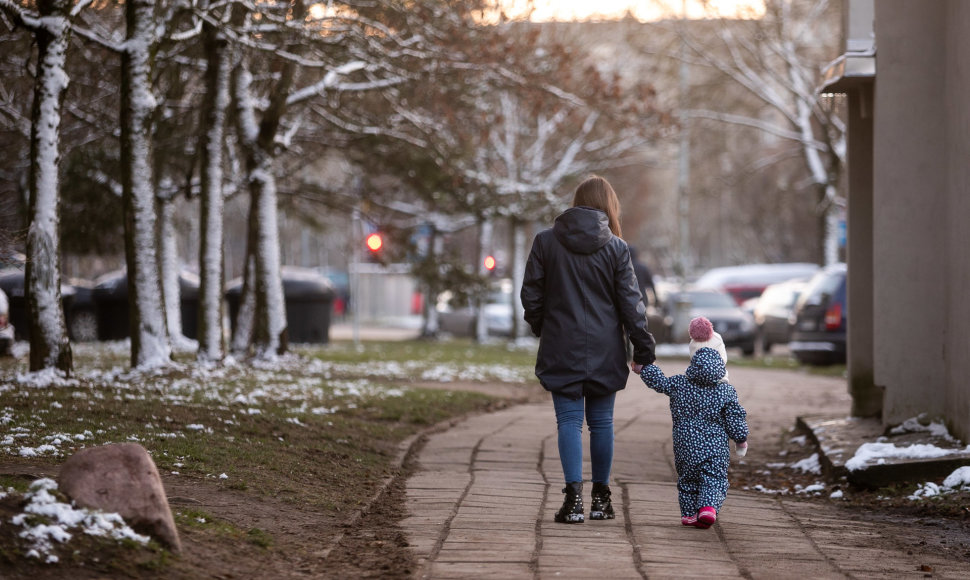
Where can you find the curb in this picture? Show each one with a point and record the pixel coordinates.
(838, 440)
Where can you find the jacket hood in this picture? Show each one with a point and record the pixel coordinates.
(582, 230)
(706, 367)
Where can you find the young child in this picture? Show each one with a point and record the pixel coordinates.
(706, 413)
(702, 335)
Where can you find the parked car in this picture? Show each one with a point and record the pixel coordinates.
(750, 280)
(6, 329)
(818, 335)
(459, 320)
(734, 324)
(773, 313)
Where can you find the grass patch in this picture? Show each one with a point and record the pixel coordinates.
(319, 429)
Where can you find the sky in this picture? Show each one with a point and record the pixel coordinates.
(645, 10)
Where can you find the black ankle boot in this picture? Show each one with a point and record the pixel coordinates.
(601, 508)
(571, 511)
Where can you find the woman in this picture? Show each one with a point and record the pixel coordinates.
(582, 300)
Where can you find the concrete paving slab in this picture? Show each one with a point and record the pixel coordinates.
(490, 485)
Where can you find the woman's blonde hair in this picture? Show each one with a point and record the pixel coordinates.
(597, 193)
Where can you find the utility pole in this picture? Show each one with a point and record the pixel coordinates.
(683, 169)
(356, 239)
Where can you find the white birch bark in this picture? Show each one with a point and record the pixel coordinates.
(168, 262)
(270, 302)
(212, 206)
(242, 336)
(149, 339)
(269, 309)
(49, 345)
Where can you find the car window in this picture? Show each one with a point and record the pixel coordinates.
(824, 284)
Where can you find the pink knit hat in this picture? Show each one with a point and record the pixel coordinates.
(701, 329)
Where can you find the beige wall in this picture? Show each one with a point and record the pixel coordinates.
(957, 346)
(920, 208)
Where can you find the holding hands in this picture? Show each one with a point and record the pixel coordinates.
(636, 368)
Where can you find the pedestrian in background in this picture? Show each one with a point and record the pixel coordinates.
(644, 279)
(582, 300)
(706, 413)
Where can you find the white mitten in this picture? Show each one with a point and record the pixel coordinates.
(741, 449)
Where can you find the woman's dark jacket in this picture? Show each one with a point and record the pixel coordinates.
(579, 294)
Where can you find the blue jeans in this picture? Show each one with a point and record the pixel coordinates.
(569, 418)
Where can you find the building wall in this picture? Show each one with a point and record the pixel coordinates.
(957, 345)
(867, 399)
(910, 257)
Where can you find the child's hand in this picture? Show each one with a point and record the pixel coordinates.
(741, 449)
(636, 367)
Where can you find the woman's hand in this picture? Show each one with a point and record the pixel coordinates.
(636, 368)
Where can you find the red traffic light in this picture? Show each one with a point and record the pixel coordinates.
(374, 242)
(489, 263)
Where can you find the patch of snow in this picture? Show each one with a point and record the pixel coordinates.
(57, 518)
(878, 453)
(808, 465)
(959, 478)
(914, 425)
(814, 489)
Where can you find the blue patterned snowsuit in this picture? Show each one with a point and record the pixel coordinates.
(705, 414)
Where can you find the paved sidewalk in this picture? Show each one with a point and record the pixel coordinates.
(483, 501)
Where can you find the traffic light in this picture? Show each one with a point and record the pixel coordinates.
(374, 243)
(490, 263)
(375, 248)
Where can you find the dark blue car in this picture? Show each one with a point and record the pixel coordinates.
(818, 336)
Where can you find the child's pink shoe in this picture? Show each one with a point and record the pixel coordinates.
(688, 520)
(706, 517)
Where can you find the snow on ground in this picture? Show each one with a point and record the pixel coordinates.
(301, 385)
(959, 480)
(878, 453)
(46, 522)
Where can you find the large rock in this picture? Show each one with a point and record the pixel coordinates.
(121, 478)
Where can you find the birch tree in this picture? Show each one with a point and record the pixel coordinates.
(778, 60)
(51, 26)
(212, 138)
(149, 336)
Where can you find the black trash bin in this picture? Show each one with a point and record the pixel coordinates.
(309, 303)
(111, 302)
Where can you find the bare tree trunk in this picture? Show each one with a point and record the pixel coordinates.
(517, 267)
(168, 266)
(149, 338)
(269, 331)
(258, 140)
(49, 344)
(242, 337)
(211, 283)
(484, 243)
(431, 326)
